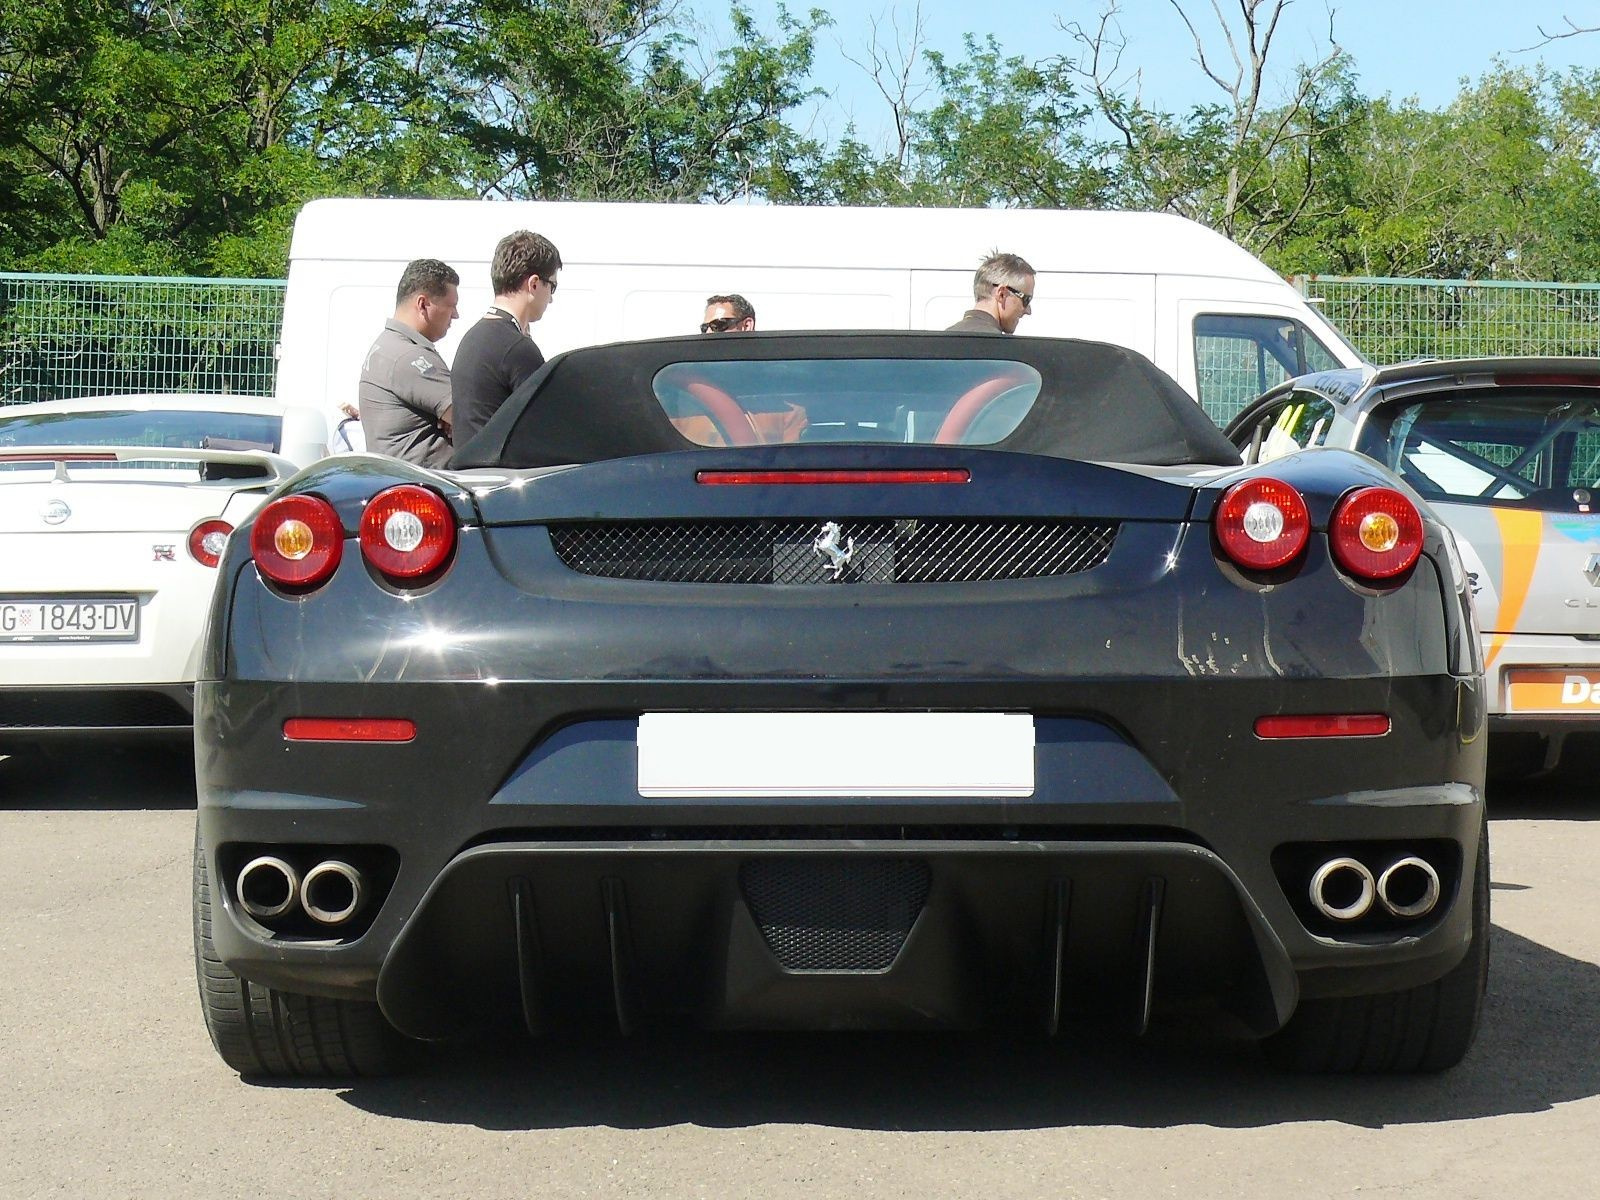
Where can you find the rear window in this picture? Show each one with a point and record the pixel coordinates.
(1527, 447)
(193, 430)
(973, 402)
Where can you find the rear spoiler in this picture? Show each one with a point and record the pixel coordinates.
(213, 464)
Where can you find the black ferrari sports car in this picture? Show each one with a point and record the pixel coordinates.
(841, 681)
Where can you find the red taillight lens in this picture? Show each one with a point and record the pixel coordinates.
(297, 541)
(1375, 533)
(408, 531)
(1323, 725)
(349, 729)
(208, 540)
(1262, 524)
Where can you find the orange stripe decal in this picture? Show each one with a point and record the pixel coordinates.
(1521, 534)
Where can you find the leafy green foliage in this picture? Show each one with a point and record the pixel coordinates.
(150, 137)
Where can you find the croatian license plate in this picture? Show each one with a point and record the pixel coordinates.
(836, 754)
(69, 619)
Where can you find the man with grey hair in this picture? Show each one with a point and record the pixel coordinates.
(405, 386)
(497, 354)
(1003, 291)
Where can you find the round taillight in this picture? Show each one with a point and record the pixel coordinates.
(408, 531)
(297, 541)
(1375, 533)
(1262, 524)
(208, 540)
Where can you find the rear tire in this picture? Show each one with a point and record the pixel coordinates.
(1421, 1029)
(260, 1031)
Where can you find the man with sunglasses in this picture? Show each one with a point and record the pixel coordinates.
(728, 314)
(497, 354)
(1003, 291)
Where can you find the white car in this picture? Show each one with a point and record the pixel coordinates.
(114, 511)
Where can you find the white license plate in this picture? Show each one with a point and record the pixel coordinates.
(69, 619)
(835, 754)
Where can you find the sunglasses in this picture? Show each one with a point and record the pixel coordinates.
(720, 325)
(1025, 297)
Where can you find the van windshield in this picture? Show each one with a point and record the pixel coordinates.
(974, 402)
(1237, 357)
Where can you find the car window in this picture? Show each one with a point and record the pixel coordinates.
(974, 402)
(1239, 357)
(1529, 447)
(1300, 420)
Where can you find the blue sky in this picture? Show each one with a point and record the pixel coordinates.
(1402, 48)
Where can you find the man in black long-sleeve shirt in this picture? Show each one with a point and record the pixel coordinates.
(497, 354)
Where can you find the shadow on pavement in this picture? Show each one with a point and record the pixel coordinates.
(99, 778)
(1566, 793)
(1534, 1050)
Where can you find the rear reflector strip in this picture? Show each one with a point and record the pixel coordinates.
(349, 729)
(767, 478)
(1326, 725)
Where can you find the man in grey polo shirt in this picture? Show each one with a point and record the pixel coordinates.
(405, 385)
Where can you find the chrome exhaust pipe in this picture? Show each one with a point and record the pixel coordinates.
(332, 892)
(1409, 888)
(267, 887)
(1342, 889)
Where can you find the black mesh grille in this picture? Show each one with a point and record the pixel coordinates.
(107, 708)
(893, 550)
(835, 914)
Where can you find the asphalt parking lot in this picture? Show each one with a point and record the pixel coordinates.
(112, 1089)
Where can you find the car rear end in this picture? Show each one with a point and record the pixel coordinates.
(113, 559)
(840, 736)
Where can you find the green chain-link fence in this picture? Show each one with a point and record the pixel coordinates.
(86, 335)
(83, 335)
(1392, 320)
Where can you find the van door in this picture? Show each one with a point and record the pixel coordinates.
(1102, 308)
(1231, 348)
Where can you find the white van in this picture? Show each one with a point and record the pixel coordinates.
(1204, 310)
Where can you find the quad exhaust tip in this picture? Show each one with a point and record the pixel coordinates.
(332, 892)
(1342, 889)
(267, 887)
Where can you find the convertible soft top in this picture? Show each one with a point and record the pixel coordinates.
(1096, 402)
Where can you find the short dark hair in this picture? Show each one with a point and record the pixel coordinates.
(519, 255)
(1000, 270)
(742, 308)
(428, 276)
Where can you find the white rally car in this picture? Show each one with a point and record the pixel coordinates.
(113, 514)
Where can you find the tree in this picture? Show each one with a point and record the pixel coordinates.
(1220, 162)
(1002, 130)
(162, 137)
(1498, 185)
